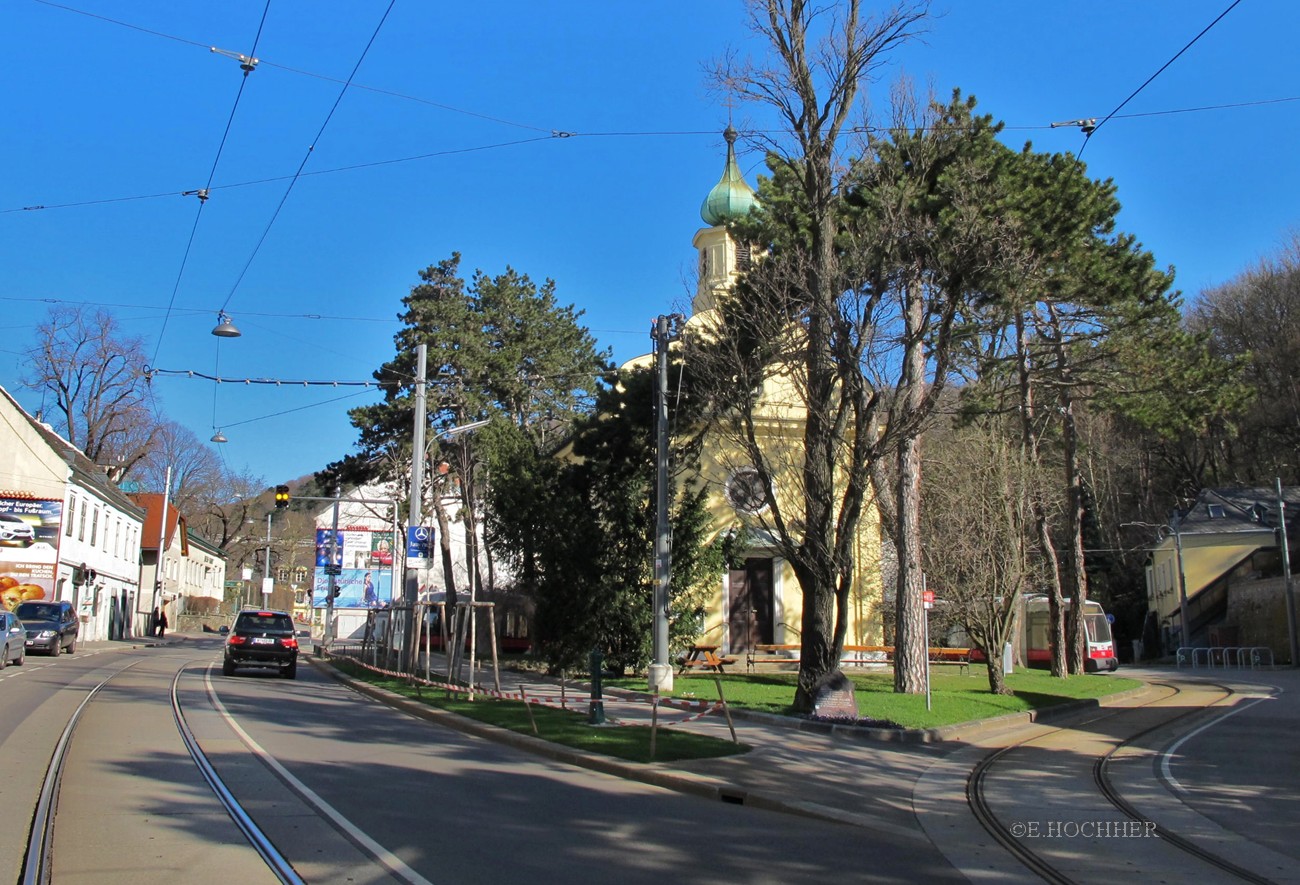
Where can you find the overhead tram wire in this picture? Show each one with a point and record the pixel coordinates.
(559, 134)
(1092, 130)
(203, 193)
(311, 147)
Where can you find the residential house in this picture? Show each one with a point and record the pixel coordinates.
(1227, 548)
(180, 572)
(84, 540)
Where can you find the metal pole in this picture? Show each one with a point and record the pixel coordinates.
(266, 572)
(411, 584)
(1186, 638)
(411, 581)
(1286, 572)
(162, 539)
(661, 674)
(334, 555)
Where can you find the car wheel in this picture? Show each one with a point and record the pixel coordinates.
(227, 668)
(291, 671)
(22, 657)
(72, 646)
(4, 658)
(55, 649)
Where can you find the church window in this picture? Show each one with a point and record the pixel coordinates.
(745, 491)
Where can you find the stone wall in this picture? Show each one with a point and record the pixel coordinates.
(1258, 610)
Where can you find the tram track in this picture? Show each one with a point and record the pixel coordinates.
(38, 858)
(982, 808)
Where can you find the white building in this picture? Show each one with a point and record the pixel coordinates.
(192, 576)
(84, 544)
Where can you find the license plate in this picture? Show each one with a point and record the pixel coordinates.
(262, 640)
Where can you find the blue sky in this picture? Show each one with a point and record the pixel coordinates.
(99, 112)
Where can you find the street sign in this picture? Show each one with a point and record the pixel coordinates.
(268, 586)
(333, 569)
(927, 597)
(419, 542)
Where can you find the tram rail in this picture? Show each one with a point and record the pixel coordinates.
(982, 809)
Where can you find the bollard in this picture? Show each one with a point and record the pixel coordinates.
(596, 712)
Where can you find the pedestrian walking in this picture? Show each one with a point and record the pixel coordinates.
(162, 623)
(153, 622)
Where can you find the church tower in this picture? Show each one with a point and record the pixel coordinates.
(720, 257)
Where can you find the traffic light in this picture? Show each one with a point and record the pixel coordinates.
(281, 497)
(338, 591)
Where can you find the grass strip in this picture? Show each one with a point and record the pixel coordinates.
(564, 727)
(955, 698)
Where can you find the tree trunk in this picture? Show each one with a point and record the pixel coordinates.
(911, 654)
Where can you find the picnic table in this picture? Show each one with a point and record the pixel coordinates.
(704, 657)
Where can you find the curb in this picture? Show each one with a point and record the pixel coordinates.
(713, 788)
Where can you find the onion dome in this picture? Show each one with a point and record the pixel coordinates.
(731, 197)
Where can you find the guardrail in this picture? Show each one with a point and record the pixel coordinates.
(1223, 657)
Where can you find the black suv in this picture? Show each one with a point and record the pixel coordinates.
(51, 626)
(262, 639)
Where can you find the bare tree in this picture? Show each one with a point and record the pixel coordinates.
(97, 378)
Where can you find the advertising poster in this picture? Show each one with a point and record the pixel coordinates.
(356, 548)
(381, 549)
(358, 588)
(29, 549)
(323, 548)
(365, 579)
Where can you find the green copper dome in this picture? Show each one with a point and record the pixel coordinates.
(731, 197)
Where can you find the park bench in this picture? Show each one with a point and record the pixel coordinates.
(771, 654)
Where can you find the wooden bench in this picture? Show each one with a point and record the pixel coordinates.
(704, 657)
(772, 654)
(959, 657)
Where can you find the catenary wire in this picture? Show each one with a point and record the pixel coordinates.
(203, 199)
(555, 134)
(1204, 31)
(311, 147)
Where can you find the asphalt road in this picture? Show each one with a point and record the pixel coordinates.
(350, 790)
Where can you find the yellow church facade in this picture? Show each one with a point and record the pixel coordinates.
(759, 600)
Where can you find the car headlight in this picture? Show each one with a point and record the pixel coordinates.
(46, 634)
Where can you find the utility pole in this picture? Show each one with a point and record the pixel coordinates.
(667, 329)
(334, 555)
(411, 581)
(1289, 588)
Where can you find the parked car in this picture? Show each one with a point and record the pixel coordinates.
(13, 640)
(51, 626)
(262, 639)
(15, 528)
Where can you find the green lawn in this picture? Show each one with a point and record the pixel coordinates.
(955, 697)
(558, 726)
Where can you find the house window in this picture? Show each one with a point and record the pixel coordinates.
(94, 526)
(1215, 511)
(72, 512)
(743, 259)
(81, 527)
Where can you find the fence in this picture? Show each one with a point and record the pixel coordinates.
(1223, 657)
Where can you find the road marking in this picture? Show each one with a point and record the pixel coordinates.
(394, 863)
(1165, 771)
